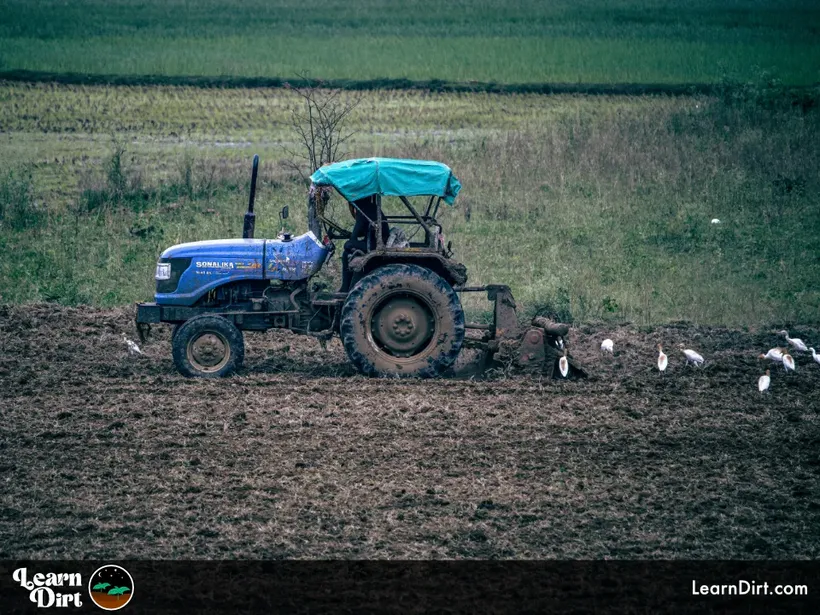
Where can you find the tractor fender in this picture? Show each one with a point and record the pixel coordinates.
(455, 273)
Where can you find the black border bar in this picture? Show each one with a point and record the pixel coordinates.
(435, 587)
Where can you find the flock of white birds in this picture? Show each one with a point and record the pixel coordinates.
(779, 355)
(692, 357)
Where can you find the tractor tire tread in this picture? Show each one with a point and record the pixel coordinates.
(350, 320)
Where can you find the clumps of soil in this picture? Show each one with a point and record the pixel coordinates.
(109, 456)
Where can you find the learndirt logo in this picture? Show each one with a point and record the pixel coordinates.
(110, 587)
(51, 589)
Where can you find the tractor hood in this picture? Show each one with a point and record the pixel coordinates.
(188, 270)
(218, 249)
(200, 266)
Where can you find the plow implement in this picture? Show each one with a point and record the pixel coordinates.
(534, 349)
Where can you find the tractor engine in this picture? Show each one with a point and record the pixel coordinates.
(268, 304)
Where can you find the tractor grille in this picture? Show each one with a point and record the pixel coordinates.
(178, 265)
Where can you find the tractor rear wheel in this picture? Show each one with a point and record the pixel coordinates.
(402, 320)
(208, 346)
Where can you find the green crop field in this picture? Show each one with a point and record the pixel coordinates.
(590, 207)
(521, 41)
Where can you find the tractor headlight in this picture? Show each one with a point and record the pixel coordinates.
(163, 271)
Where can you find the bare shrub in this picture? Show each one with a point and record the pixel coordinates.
(319, 124)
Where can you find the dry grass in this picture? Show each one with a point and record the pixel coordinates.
(590, 208)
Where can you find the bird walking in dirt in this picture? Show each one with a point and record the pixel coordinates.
(663, 361)
(815, 356)
(691, 356)
(796, 342)
(763, 382)
(788, 363)
(563, 364)
(607, 346)
(133, 349)
(774, 354)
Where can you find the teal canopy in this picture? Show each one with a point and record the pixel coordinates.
(356, 179)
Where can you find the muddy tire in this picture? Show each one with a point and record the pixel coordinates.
(402, 320)
(208, 346)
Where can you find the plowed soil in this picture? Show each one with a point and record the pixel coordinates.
(103, 455)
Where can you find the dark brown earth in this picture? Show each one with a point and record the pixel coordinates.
(107, 456)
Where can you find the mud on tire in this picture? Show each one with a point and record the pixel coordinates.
(402, 320)
(208, 346)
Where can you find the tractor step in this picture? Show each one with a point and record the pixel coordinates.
(329, 299)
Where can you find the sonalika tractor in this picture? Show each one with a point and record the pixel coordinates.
(402, 315)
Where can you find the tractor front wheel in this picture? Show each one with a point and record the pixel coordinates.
(208, 346)
(402, 320)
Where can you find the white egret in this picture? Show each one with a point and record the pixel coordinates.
(606, 346)
(763, 382)
(796, 342)
(563, 364)
(133, 349)
(715, 221)
(788, 363)
(774, 354)
(691, 356)
(814, 355)
(662, 359)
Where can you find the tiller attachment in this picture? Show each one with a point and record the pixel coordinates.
(534, 349)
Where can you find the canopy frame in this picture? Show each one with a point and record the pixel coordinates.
(377, 177)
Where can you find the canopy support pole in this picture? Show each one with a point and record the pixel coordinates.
(379, 239)
(417, 217)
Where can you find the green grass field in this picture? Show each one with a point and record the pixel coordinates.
(591, 207)
(521, 41)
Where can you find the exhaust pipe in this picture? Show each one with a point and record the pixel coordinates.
(250, 217)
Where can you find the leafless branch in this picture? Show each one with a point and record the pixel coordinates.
(318, 124)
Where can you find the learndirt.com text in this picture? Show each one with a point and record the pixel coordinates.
(748, 588)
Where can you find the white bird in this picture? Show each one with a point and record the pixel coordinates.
(774, 354)
(662, 359)
(132, 346)
(763, 382)
(814, 355)
(691, 356)
(606, 346)
(796, 342)
(563, 364)
(715, 221)
(788, 363)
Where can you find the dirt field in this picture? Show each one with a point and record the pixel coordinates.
(105, 456)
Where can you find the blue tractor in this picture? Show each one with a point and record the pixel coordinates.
(401, 316)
